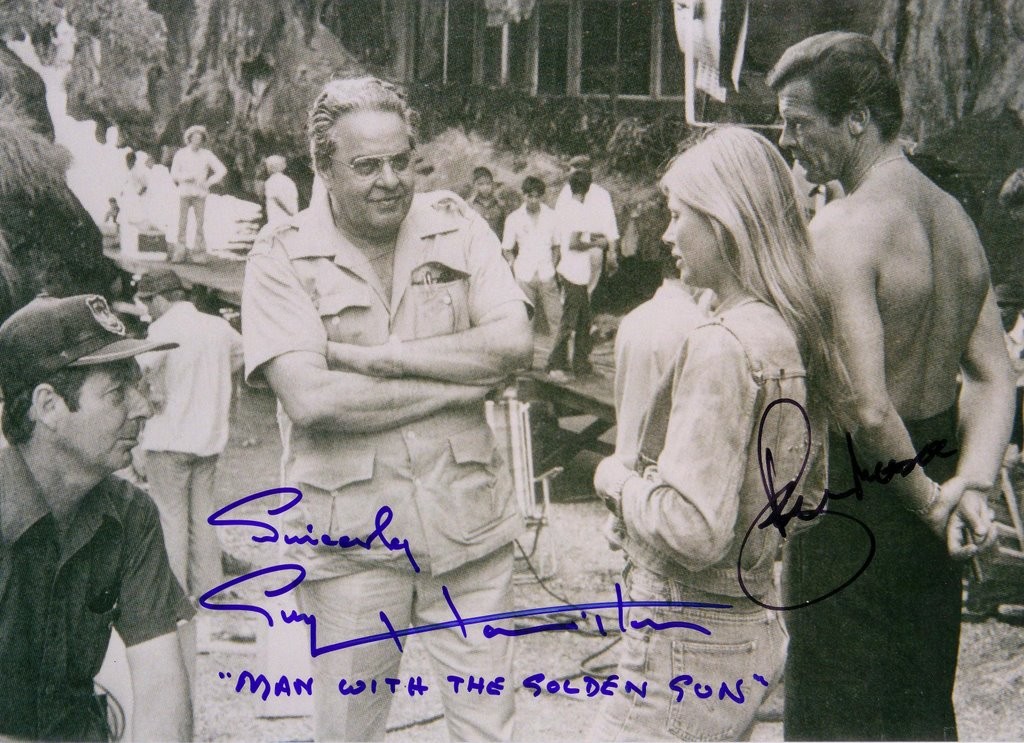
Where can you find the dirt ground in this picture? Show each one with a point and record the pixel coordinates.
(990, 682)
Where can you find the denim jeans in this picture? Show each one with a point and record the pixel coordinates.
(546, 301)
(349, 606)
(746, 643)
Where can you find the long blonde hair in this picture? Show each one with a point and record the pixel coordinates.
(738, 180)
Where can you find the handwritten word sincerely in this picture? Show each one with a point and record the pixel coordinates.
(381, 522)
(391, 633)
(776, 515)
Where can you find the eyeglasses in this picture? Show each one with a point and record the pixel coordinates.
(370, 166)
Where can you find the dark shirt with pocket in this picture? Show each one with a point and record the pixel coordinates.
(61, 594)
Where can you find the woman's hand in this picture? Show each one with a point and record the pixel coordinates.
(609, 478)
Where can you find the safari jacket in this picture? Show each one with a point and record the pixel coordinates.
(442, 476)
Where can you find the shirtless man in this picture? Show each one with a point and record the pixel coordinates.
(914, 306)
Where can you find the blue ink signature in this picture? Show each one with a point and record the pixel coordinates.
(458, 622)
(779, 498)
(381, 521)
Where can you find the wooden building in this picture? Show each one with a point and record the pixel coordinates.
(624, 48)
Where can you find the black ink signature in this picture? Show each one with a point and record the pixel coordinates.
(779, 498)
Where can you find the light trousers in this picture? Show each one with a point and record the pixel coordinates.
(181, 485)
(197, 204)
(350, 606)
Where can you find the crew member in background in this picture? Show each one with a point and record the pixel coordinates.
(484, 200)
(381, 318)
(915, 309)
(81, 551)
(190, 390)
(194, 169)
(1011, 301)
(575, 269)
(647, 342)
(530, 244)
(600, 217)
(280, 193)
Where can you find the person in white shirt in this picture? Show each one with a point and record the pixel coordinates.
(600, 215)
(194, 169)
(191, 395)
(281, 195)
(133, 192)
(647, 342)
(575, 271)
(530, 244)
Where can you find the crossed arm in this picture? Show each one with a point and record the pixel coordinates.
(350, 402)
(482, 355)
(375, 388)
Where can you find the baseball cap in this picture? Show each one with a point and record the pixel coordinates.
(49, 334)
(158, 282)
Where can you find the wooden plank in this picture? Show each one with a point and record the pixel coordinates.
(592, 394)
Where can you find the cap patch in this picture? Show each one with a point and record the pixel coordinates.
(103, 315)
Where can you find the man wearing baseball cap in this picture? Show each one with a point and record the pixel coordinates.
(195, 169)
(81, 551)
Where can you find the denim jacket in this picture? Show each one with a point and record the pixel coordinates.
(687, 519)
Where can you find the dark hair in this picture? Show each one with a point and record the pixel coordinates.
(66, 382)
(481, 172)
(579, 182)
(845, 70)
(534, 185)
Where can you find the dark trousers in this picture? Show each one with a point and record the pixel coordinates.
(877, 660)
(575, 317)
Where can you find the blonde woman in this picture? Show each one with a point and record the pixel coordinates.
(756, 377)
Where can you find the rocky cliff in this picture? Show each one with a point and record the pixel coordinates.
(246, 69)
(48, 241)
(959, 64)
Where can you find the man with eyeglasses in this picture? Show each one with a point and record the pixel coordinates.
(381, 318)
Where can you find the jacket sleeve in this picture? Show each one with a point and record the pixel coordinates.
(690, 510)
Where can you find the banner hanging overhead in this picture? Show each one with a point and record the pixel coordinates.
(712, 35)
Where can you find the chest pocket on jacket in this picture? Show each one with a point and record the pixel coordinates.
(347, 315)
(438, 300)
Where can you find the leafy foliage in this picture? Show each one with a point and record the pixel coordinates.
(634, 136)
